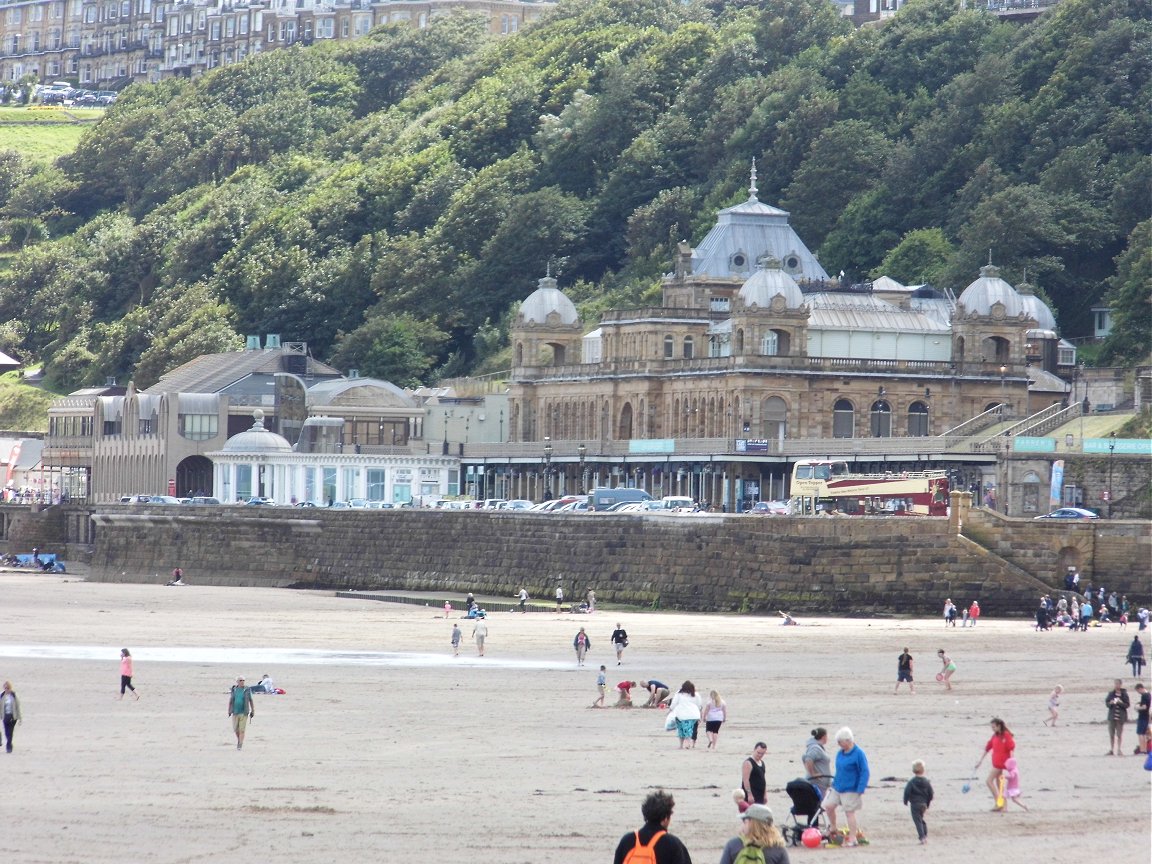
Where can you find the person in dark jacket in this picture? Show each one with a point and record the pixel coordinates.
(1118, 705)
(1136, 656)
(657, 811)
(918, 797)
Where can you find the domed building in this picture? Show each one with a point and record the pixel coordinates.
(754, 351)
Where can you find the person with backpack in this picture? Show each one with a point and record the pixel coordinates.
(759, 841)
(652, 844)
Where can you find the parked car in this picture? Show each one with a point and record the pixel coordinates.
(771, 508)
(603, 499)
(519, 504)
(380, 505)
(162, 499)
(203, 500)
(672, 504)
(136, 499)
(1070, 513)
(628, 507)
(259, 501)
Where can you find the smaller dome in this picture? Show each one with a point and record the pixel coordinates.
(987, 291)
(770, 281)
(1036, 308)
(257, 439)
(546, 300)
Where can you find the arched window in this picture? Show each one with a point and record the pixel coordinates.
(689, 348)
(1030, 488)
(669, 347)
(624, 431)
(739, 342)
(881, 419)
(775, 412)
(843, 419)
(519, 353)
(918, 420)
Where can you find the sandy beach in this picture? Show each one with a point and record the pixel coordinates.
(385, 747)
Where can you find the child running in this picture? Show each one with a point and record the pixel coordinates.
(918, 797)
(1054, 705)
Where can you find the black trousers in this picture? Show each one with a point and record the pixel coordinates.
(918, 820)
(9, 726)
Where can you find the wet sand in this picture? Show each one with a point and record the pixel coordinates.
(385, 747)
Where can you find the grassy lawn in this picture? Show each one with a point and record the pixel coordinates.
(42, 134)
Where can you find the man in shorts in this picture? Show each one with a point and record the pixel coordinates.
(240, 709)
(904, 672)
(847, 790)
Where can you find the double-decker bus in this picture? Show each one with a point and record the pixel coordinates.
(827, 486)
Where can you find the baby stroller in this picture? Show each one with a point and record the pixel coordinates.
(806, 810)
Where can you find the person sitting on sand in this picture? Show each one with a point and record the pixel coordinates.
(177, 577)
(788, 621)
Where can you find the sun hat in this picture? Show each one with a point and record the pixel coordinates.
(760, 813)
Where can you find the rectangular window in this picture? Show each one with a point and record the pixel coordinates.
(230, 27)
(401, 493)
(243, 482)
(214, 32)
(328, 484)
(198, 427)
(145, 426)
(376, 485)
(243, 25)
(351, 483)
(343, 28)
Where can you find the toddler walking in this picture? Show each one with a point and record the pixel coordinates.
(1012, 781)
(918, 797)
(1053, 706)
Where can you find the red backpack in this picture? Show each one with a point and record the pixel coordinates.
(641, 854)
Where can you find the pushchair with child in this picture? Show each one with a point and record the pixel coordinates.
(806, 809)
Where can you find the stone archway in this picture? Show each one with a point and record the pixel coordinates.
(194, 476)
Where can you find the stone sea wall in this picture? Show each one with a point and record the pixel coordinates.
(698, 562)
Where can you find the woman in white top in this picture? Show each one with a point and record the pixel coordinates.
(715, 713)
(685, 710)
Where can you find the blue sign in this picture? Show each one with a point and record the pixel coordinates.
(651, 445)
(1137, 446)
(1025, 444)
(753, 445)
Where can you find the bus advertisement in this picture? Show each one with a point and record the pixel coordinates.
(822, 486)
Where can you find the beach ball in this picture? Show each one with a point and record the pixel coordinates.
(811, 837)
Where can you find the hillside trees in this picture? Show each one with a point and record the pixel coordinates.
(421, 182)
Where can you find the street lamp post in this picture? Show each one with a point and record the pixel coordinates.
(547, 468)
(583, 452)
(1111, 451)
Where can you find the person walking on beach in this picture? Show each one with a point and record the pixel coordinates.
(904, 672)
(1143, 703)
(848, 787)
(480, 633)
(523, 600)
(753, 779)
(1136, 657)
(126, 674)
(601, 686)
(1118, 705)
(1012, 783)
(974, 612)
(685, 710)
(949, 612)
(581, 644)
(667, 849)
(1000, 745)
(10, 709)
(948, 670)
(715, 713)
(1054, 706)
(559, 598)
(456, 635)
(918, 798)
(619, 642)
(759, 832)
(240, 709)
(817, 764)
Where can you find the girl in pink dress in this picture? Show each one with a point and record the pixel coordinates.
(1012, 781)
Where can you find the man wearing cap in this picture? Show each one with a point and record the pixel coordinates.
(657, 811)
(759, 831)
(240, 709)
